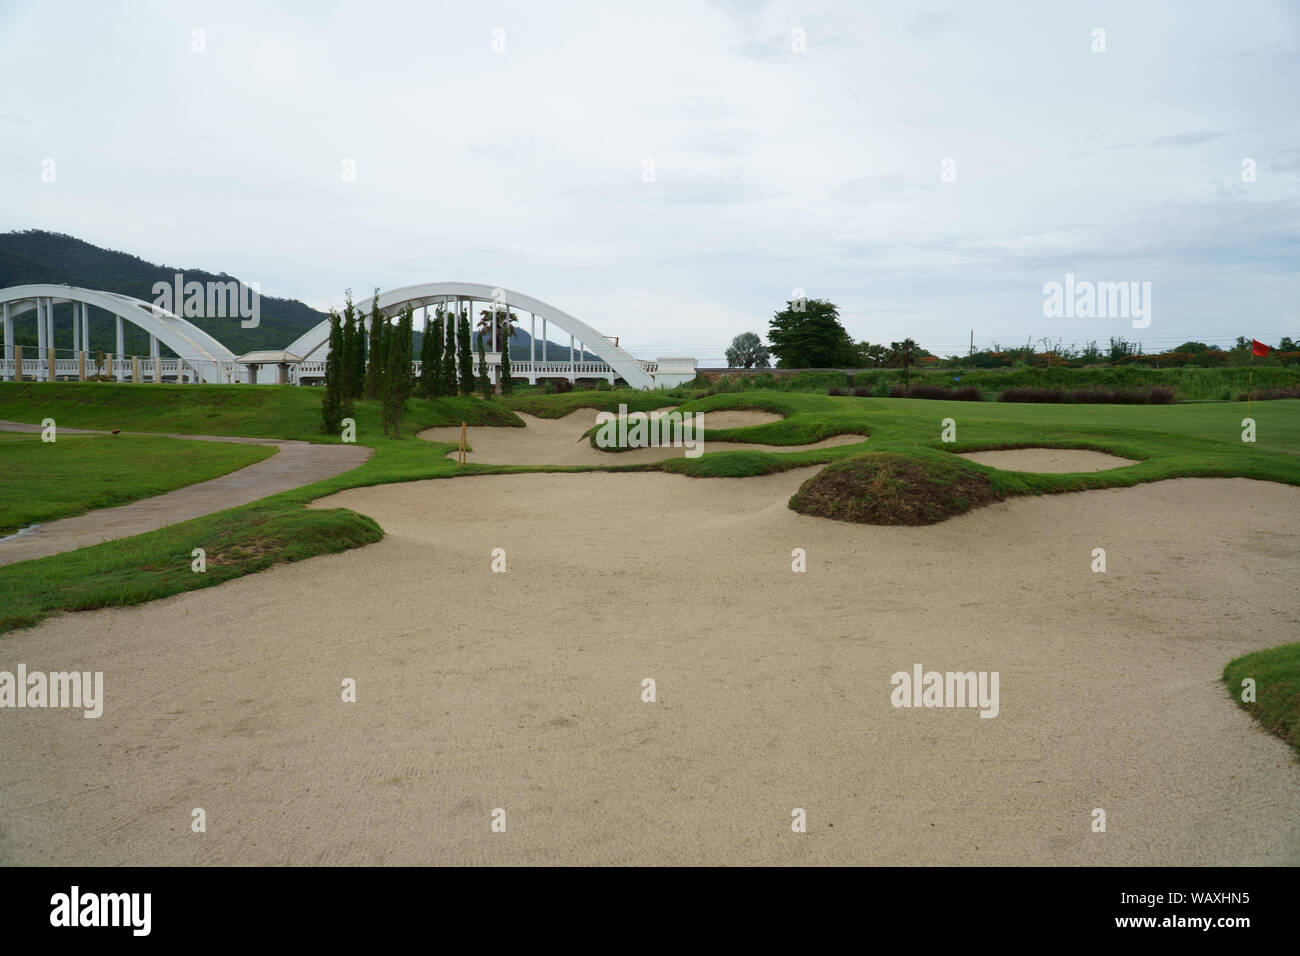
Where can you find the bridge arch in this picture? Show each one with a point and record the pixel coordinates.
(314, 344)
(205, 355)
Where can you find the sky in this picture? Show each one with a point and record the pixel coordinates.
(673, 173)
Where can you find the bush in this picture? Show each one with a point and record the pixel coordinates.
(1270, 394)
(834, 390)
(1157, 395)
(967, 394)
(862, 391)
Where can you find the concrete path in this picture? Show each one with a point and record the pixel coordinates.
(296, 463)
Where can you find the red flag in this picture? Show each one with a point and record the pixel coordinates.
(1258, 348)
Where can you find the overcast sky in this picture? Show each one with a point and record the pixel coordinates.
(669, 172)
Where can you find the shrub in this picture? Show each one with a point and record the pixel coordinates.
(862, 391)
(834, 390)
(967, 394)
(1270, 394)
(1156, 395)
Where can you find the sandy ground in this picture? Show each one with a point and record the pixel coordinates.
(562, 441)
(522, 691)
(295, 463)
(1053, 460)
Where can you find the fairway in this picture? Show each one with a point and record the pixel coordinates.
(40, 481)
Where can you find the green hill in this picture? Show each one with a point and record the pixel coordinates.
(34, 255)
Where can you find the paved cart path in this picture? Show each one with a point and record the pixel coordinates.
(295, 463)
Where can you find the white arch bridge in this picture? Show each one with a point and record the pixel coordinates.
(201, 358)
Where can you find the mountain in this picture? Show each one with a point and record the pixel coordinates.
(34, 255)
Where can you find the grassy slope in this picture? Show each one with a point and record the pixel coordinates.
(41, 481)
(1276, 673)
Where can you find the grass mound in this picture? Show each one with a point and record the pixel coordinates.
(887, 488)
(1276, 673)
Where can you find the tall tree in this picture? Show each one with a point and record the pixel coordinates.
(395, 386)
(448, 353)
(903, 353)
(807, 334)
(507, 383)
(331, 409)
(465, 358)
(347, 361)
(484, 383)
(748, 351)
(431, 358)
(375, 366)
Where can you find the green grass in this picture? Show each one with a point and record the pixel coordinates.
(1276, 673)
(262, 411)
(41, 481)
(1189, 383)
(540, 405)
(1167, 442)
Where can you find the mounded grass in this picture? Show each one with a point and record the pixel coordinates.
(540, 405)
(1276, 673)
(41, 481)
(893, 488)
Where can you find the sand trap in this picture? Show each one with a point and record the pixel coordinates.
(523, 690)
(1048, 460)
(562, 441)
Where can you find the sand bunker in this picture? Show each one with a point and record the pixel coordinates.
(1048, 460)
(562, 441)
(523, 690)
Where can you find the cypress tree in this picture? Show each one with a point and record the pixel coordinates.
(465, 359)
(331, 406)
(484, 383)
(347, 364)
(506, 384)
(358, 353)
(448, 355)
(431, 359)
(396, 384)
(375, 368)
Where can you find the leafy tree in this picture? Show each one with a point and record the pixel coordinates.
(431, 358)
(1288, 345)
(448, 352)
(872, 356)
(505, 322)
(331, 407)
(902, 355)
(375, 370)
(484, 383)
(748, 351)
(465, 358)
(808, 334)
(1191, 347)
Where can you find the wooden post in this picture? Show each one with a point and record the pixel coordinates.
(51, 363)
(460, 458)
(18, 363)
(81, 365)
(135, 369)
(108, 367)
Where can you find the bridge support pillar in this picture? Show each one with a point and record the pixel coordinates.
(9, 339)
(156, 359)
(40, 337)
(121, 347)
(76, 327)
(85, 326)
